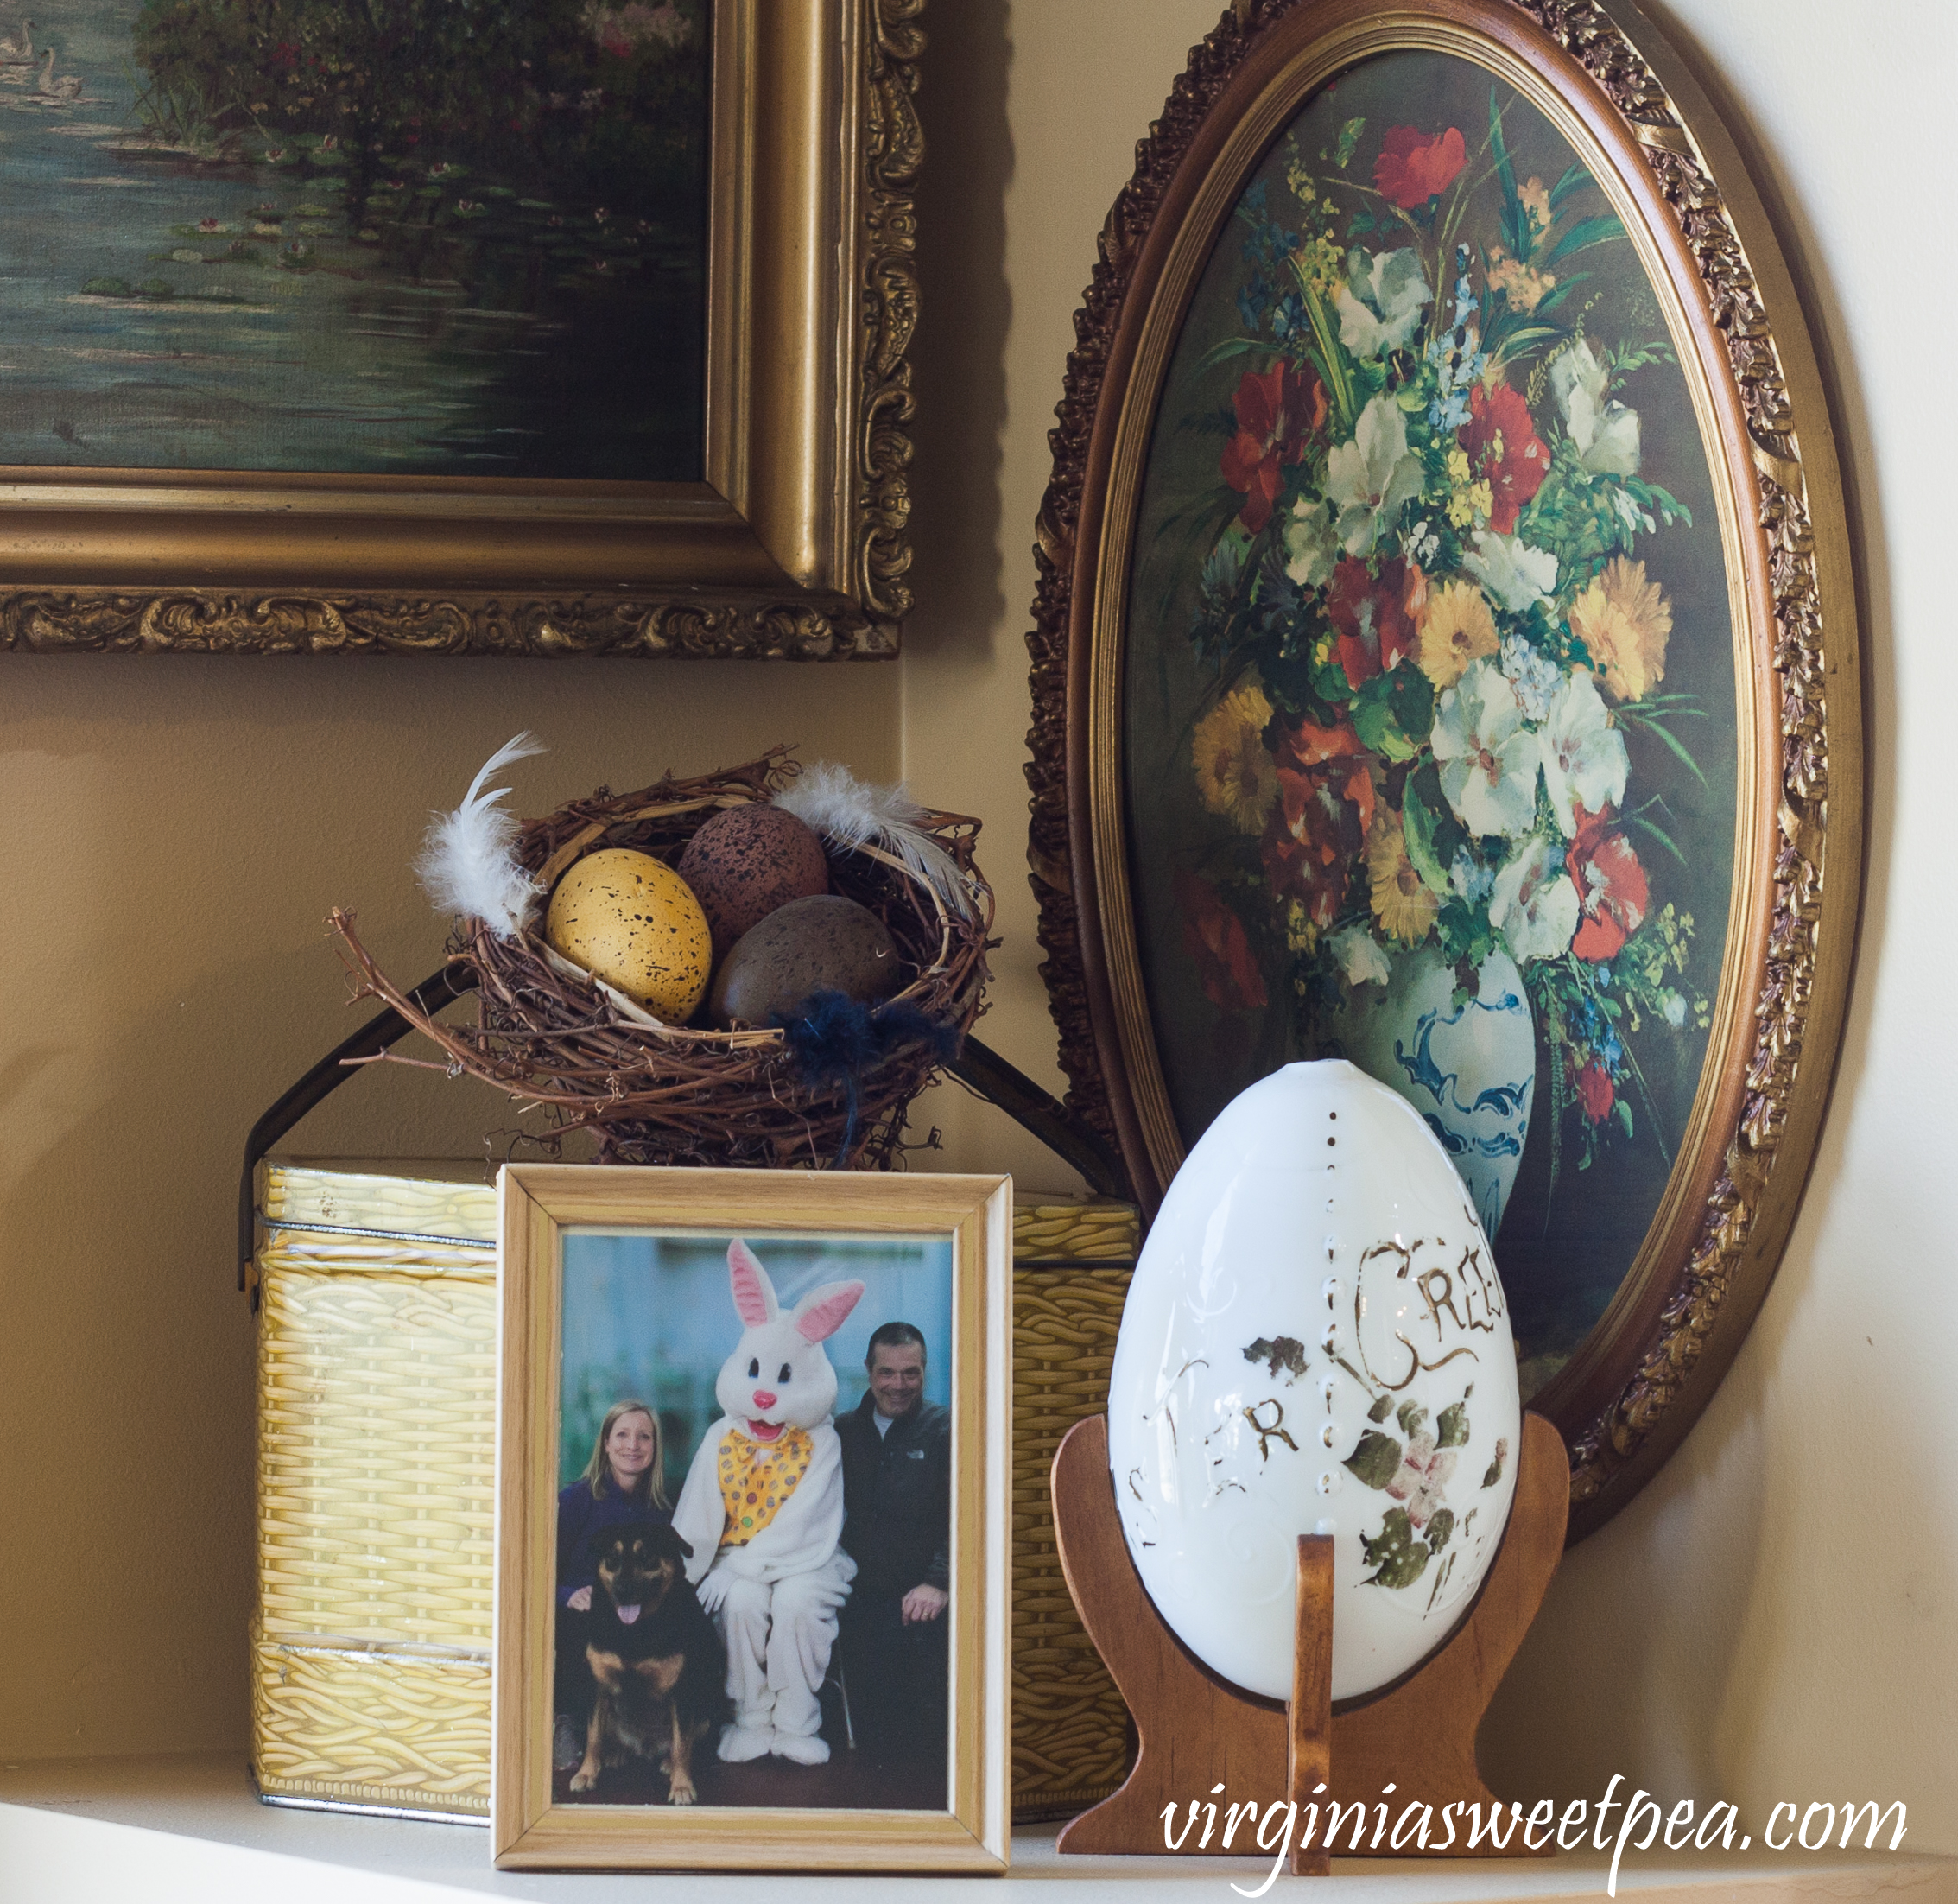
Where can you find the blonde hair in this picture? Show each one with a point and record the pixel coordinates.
(651, 1489)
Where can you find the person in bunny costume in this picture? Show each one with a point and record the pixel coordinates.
(763, 1508)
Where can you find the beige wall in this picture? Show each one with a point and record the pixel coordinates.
(1774, 1618)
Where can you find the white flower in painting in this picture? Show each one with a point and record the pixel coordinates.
(1515, 575)
(1372, 477)
(1584, 758)
(1381, 303)
(1605, 431)
(1673, 1009)
(1469, 878)
(1488, 758)
(1534, 904)
(1421, 544)
(1629, 514)
(1534, 678)
(1311, 547)
(1361, 960)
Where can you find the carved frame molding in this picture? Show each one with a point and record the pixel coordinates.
(1622, 1433)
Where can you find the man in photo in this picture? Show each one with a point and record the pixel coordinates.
(897, 1527)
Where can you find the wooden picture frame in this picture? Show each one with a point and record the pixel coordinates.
(699, 1212)
(793, 543)
(1132, 967)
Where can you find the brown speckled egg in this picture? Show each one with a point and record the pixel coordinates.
(746, 861)
(825, 943)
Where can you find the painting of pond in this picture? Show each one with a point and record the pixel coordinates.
(417, 237)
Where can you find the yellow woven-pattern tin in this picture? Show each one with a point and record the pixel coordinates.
(376, 1470)
(403, 1729)
(376, 1409)
(1070, 1728)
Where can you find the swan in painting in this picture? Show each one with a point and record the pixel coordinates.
(19, 52)
(68, 86)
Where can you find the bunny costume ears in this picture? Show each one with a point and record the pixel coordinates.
(817, 1316)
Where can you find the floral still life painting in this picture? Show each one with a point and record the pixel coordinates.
(422, 238)
(1430, 706)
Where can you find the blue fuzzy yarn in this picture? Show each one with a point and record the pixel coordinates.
(834, 1041)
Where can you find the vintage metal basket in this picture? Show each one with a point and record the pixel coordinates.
(377, 1460)
(376, 1406)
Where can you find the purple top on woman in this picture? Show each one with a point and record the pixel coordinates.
(579, 1516)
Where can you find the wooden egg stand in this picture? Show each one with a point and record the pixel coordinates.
(1196, 1731)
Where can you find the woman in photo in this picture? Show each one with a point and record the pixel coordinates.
(623, 1481)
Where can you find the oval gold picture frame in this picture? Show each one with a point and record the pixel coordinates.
(1608, 83)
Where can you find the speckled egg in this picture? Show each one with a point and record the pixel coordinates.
(748, 860)
(825, 943)
(631, 921)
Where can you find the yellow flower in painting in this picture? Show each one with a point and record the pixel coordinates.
(1469, 502)
(1321, 261)
(1522, 285)
(1403, 903)
(1456, 630)
(1234, 772)
(1624, 621)
(1535, 199)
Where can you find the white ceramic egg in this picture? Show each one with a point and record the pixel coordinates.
(1314, 1340)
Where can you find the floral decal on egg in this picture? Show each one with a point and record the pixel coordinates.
(1415, 1473)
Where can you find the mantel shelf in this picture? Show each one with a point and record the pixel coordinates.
(190, 1830)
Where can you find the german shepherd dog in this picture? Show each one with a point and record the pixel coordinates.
(658, 1666)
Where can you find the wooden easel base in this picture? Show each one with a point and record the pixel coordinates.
(1196, 1731)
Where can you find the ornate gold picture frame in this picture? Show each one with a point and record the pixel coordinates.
(868, 1727)
(1382, 278)
(793, 544)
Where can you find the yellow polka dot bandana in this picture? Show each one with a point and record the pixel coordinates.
(755, 1479)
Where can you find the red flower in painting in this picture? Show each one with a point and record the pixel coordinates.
(1277, 410)
(1215, 939)
(1595, 1092)
(1611, 887)
(1319, 825)
(1503, 446)
(1374, 616)
(1412, 168)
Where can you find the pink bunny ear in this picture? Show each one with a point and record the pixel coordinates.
(823, 1311)
(754, 1295)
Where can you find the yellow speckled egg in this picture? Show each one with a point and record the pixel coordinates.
(634, 923)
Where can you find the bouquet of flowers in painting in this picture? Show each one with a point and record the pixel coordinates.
(1433, 625)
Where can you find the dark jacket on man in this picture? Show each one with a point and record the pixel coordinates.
(897, 1498)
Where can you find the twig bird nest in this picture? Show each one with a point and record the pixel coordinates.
(827, 1088)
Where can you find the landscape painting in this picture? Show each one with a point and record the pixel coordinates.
(1430, 724)
(411, 237)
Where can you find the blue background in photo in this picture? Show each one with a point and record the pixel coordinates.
(652, 1317)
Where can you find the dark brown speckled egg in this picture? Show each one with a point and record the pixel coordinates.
(825, 943)
(748, 860)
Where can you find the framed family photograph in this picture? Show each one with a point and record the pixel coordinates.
(753, 1463)
(539, 327)
(1446, 659)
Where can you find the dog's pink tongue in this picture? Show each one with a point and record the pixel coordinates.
(627, 1615)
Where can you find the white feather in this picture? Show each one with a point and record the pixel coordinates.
(851, 813)
(468, 861)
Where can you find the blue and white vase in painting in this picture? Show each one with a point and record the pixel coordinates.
(1468, 1064)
